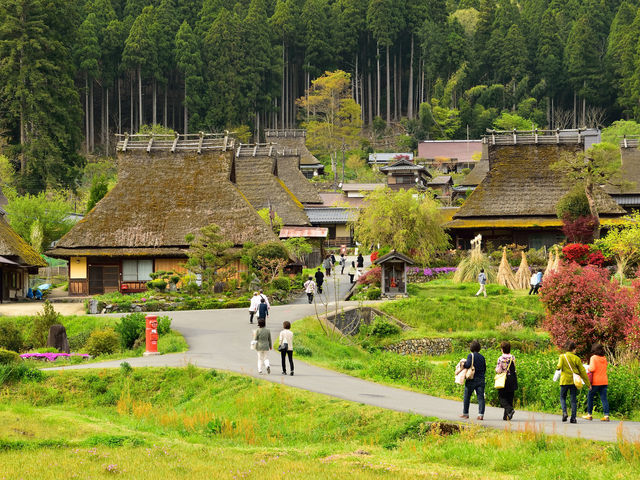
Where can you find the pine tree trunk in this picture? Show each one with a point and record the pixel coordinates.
(410, 93)
(107, 121)
(155, 98)
(388, 89)
(23, 139)
(186, 112)
(284, 76)
(166, 101)
(575, 111)
(378, 82)
(369, 93)
(399, 96)
(140, 122)
(92, 128)
(86, 112)
(119, 107)
(102, 120)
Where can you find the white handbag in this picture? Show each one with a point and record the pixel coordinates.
(254, 342)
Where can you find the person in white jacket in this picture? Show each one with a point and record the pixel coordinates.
(286, 347)
(253, 306)
(310, 289)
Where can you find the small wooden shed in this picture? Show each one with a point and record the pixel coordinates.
(393, 279)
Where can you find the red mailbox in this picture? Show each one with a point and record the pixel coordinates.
(152, 335)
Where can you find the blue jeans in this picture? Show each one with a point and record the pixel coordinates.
(573, 391)
(469, 387)
(602, 390)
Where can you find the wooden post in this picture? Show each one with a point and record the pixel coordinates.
(126, 142)
(200, 142)
(175, 143)
(150, 143)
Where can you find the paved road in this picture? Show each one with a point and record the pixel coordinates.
(220, 339)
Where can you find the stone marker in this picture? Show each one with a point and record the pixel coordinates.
(58, 338)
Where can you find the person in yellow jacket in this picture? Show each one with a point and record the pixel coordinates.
(568, 364)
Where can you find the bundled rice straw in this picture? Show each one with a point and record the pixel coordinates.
(505, 274)
(523, 273)
(469, 267)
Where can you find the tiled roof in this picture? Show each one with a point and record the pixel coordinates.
(306, 232)
(462, 150)
(331, 215)
(441, 180)
(361, 187)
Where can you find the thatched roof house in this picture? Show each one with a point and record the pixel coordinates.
(288, 170)
(516, 201)
(140, 225)
(626, 193)
(17, 261)
(295, 139)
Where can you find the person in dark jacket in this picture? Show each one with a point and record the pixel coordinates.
(360, 261)
(475, 384)
(319, 279)
(263, 310)
(507, 363)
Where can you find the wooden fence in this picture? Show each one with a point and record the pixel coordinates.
(174, 143)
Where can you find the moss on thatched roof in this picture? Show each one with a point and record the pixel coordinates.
(293, 142)
(289, 172)
(522, 183)
(12, 245)
(256, 180)
(630, 173)
(161, 197)
(475, 176)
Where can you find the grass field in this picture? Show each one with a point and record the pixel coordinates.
(192, 423)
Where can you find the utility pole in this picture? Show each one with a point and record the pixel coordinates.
(343, 147)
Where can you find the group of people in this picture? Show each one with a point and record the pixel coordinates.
(570, 372)
(311, 286)
(535, 282)
(262, 344)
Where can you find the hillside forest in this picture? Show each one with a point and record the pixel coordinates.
(75, 72)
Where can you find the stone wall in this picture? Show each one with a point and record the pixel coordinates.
(422, 346)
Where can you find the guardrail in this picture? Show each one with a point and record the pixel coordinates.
(264, 150)
(285, 132)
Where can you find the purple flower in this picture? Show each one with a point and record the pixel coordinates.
(51, 357)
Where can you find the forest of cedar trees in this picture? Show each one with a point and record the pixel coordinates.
(74, 72)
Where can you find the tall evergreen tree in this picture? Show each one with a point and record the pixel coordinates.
(189, 63)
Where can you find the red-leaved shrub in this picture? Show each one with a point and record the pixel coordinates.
(584, 306)
(374, 256)
(372, 277)
(579, 230)
(576, 252)
(597, 258)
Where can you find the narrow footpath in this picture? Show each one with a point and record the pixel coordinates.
(220, 339)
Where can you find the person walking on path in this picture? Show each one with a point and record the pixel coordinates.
(539, 282)
(263, 311)
(534, 283)
(476, 362)
(327, 265)
(286, 347)
(262, 336)
(310, 288)
(253, 306)
(319, 279)
(360, 261)
(568, 364)
(507, 363)
(266, 299)
(343, 263)
(482, 280)
(599, 383)
(352, 271)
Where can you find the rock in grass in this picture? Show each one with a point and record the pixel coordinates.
(58, 338)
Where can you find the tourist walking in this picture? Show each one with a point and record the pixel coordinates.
(319, 279)
(569, 364)
(253, 306)
(263, 310)
(539, 282)
(262, 337)
(507, 364)
(534, 283)
(352, 271)
(310, 289)
(475, 381)
(599, 383)
(482, 280)
(266, 299)
(286, 347)
(343, 263)
(360, 261)
(327, 265)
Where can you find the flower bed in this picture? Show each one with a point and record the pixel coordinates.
(426, 274)
(52, 357)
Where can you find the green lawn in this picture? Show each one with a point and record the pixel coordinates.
(192, 423)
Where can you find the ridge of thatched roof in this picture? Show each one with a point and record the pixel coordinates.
(289, 171)
(160, 198)
(293, 139)
(475, 176)
(256, 178)
(12, 245)
(522, 183)
(630, 157)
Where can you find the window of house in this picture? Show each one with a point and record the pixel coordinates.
(332, 232)
(137, 270)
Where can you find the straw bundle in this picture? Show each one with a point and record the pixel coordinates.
(469, 268)
(523, 273)
(505, 274)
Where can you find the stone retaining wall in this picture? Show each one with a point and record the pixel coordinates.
(422, 346)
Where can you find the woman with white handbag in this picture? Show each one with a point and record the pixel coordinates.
(476, 369)
(506, 380)
(572, 377)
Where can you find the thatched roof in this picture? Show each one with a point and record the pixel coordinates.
(522, 184)
(475, 176)
(160, 198)
(289, 172)
(12, 245)
(257, 180)
(630, 185)
(294, 139)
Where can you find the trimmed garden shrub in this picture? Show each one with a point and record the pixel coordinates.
(130, 328)
(374, 293)
(281, 283)
(10, 336)
(103, 342)
(381, 327)
(8, 357)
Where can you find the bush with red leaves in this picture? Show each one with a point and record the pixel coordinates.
(372, 277)
(374, 256)
(576, 252)
(579, 230)
(585, 307)
(597, 258)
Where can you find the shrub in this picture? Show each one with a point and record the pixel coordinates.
(10, 336)
(164, 325)
(17, 372)
(281, 283)
(8, 357)
(374, 293)
(130, 328)
(372, 277)
(576, 252)
(159, 284)
(579, 229)
(585, 307)
(42, 322)
(78, 341)
(381, 327)
(103, 342)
